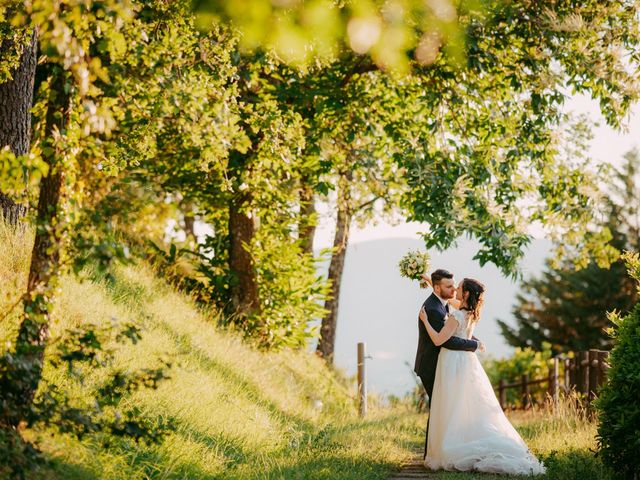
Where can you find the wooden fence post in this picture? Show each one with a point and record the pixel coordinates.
(362, 380)
(502, 394)
(583, 373)
(567, 376)
(573, 373)
(593, 375)
(525, 392)
(553, 381)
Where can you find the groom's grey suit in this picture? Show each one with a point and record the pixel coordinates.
(427, 354)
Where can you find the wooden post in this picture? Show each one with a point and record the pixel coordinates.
(525, 391)
(593, 375)
(573, 373)
(583, 373)
(502, 394)
(567, 375)
(553, 381)
(362, 380)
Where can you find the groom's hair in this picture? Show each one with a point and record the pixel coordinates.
(439, 274)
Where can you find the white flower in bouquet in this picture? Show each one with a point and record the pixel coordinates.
(414, 264)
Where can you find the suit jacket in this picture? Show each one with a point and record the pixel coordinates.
(427, 354)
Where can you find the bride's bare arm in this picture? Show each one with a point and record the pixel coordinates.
(438, 338)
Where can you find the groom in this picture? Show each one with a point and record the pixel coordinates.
(437, 308)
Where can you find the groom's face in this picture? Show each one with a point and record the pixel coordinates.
(446, 289)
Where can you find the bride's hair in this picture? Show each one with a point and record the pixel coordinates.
(476, 297)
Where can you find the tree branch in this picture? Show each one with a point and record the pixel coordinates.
(367, 203)
(358, 68)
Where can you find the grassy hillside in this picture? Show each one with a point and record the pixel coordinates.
(240, 413)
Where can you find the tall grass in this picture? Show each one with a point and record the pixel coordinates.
(241, 413)
(15, 254)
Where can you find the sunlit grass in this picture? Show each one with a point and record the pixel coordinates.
(239, 412)
(242, 413)
(15, 254)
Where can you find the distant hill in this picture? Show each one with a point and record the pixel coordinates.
(379, 307)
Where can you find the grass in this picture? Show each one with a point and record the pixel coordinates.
(242, 413)
(562, 437)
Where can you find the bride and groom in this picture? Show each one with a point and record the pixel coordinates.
(467, 429)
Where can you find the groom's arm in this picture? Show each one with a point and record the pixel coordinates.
(457, 343)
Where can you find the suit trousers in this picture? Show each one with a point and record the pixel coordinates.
(428, 387)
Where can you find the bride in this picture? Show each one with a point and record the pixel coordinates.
(467, 427)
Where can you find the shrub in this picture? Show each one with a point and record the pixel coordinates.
(79, 357)
(618, 407)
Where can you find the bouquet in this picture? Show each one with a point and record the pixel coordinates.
(414, 264)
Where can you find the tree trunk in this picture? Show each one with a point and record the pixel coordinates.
(19, 384)
(326, 344)
(242, 228)
(189, 220)
(16, 99)
(307, 224)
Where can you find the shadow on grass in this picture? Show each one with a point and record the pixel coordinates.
(122, 290)
(230, 448)
(307, 466)
(61, 469)
(575, 465)
(250, 390)
(22, 459)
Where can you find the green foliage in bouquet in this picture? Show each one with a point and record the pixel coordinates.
(618, 407)
(414, 264)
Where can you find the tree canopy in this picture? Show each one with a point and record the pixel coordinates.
(568, 308)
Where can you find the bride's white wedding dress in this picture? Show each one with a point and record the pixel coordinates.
(467, 428)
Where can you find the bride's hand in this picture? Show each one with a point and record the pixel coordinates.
(423, 315)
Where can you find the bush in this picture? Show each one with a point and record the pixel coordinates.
(574, 465)
(618, 407)
(75, 361)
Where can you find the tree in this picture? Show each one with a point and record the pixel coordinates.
(484, 148)
(349, 130)
(100, 74)
(65, 112)
(494, 162)
(568, 308)
(300, 33)
(17, 75)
